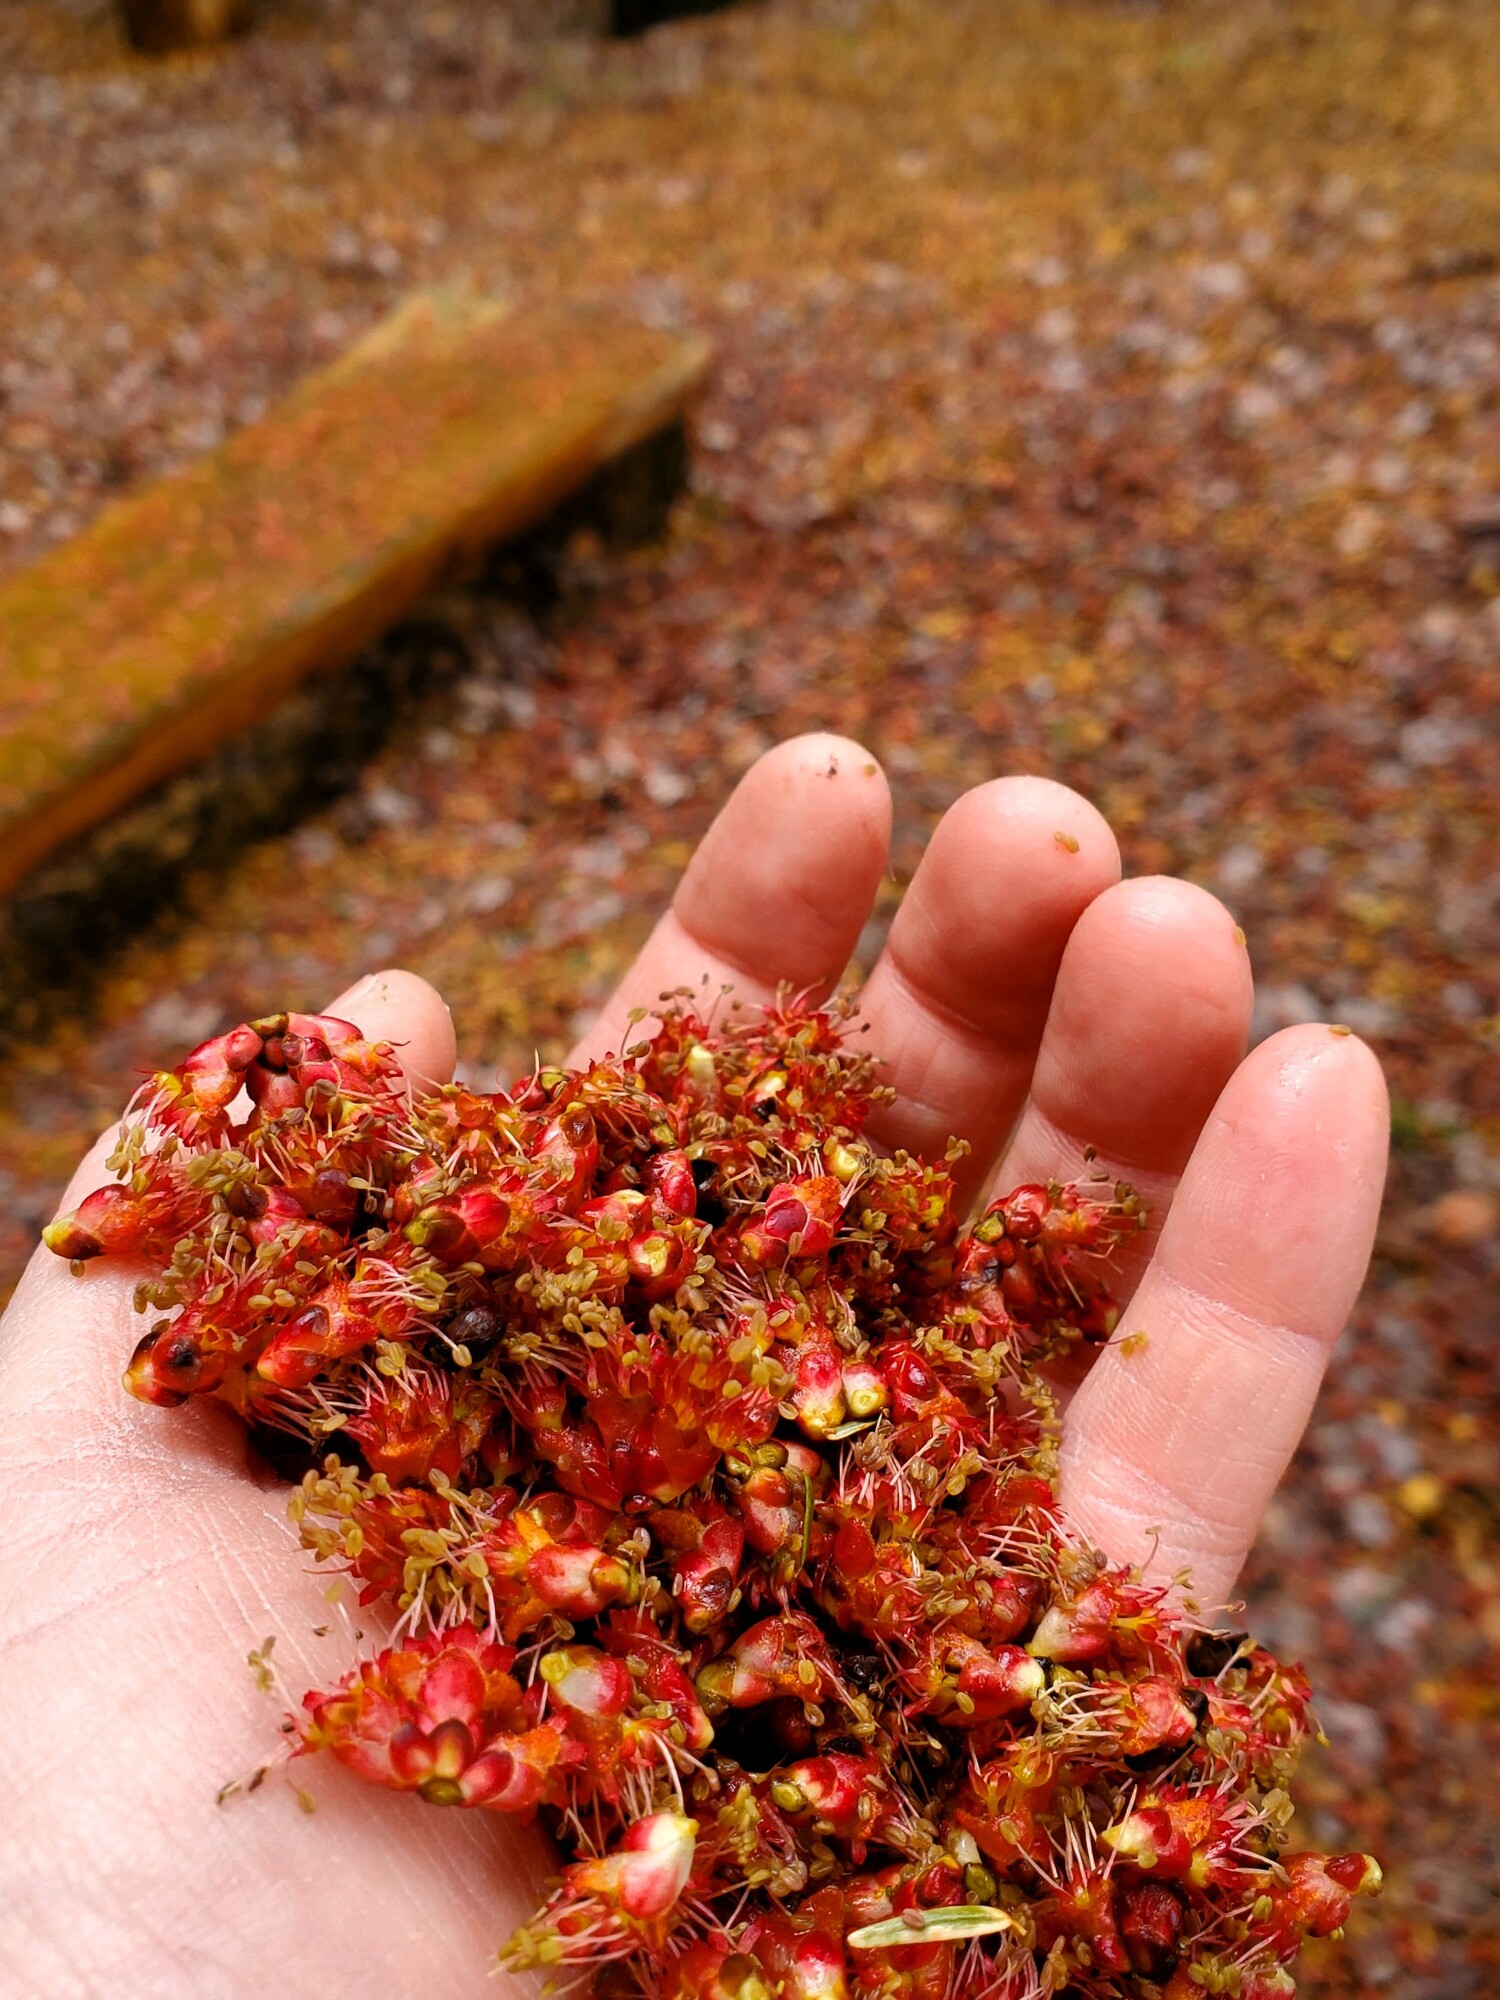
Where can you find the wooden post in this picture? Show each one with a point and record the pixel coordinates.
(156, 27)
(634, 17)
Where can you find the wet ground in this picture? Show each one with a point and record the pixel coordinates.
(1107, 392)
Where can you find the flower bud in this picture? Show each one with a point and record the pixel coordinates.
(799, 1219)
(578, 1580)
(661, 1260)
(842, 1790)
(568, 1154)
(818, 1388)
(329, 1326)
(705, 1579)
(110, 1222)
(215, 1070)
(1150, 1918)
(709, 1971)
(785, 1655)
(668, 1179)
(646, 1873)
(169, 1365)
(865, 1390)
(586, 1680)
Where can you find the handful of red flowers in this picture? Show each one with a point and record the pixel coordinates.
(707, 1468)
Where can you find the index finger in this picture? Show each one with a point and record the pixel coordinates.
(778, 891)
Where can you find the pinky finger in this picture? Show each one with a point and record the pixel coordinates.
(1175, 1443)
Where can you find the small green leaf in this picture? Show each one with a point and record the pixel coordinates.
(965, 1920)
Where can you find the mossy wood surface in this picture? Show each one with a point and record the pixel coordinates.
(181, 615)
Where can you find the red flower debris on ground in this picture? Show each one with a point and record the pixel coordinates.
(706, 1465)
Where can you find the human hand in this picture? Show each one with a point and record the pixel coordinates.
(1023, 985)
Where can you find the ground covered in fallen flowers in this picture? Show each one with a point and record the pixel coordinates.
(708, 1468)
(1106, 392)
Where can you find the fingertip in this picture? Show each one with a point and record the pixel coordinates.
(1070, 834)
(1026, 848)
(1042, 839)
(843, 785)
(1150, 1017)
(822, 753)
(403, 1009)
(1319, 1077)
(784, 878)
(1322, 1054)
(1277, 1212)
(1334, 1088)
(1170, 902)
(833, 784)
(1166, 941)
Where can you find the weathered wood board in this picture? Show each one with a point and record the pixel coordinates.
(182, 614)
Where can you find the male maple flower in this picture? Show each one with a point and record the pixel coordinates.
(706, 1467)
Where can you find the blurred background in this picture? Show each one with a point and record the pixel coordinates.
(1103, 390)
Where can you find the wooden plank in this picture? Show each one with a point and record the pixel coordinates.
(179, 616)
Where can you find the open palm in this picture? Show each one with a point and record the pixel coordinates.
(1028, 1001)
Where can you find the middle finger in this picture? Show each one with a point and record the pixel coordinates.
(957, 1001)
